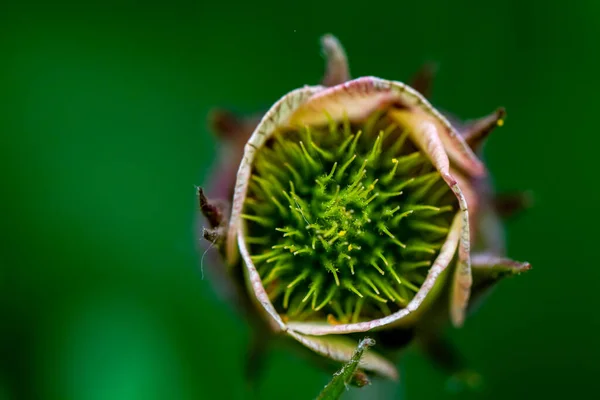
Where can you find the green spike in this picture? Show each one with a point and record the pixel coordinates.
(418, 248)
(357, 307)
(288, 231)
(400, 217)
(390, 175)
(369, 282)
(275, 272)
(376, 151)
(354, 143)
(397, 145)
(393, 273)
(320, 211)
(279, 206)
(342, 169)
(409, 285)
(299, 279)
(257, 240)
(372, 120)
(374, 264)
(324, 153)
(428, 227)
(342, 148)
(303, 251)
(278, 257)
(390, 212)
(436, 196)
(330, 293)
(348, 285)
(410, 160)
(314, 289)
(294, 172)
(408, 265)
(309, 158)
(265, 256)
(372, 295)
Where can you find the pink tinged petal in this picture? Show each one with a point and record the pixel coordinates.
(463, 280)
(472, 198)
(340, 349)
(257, 289)
(270, 123)
(355, 100)
(407, 315)
(461, 154)
(425, 133)
(359, 98)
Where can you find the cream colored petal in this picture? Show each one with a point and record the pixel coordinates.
(411, 310)
(341, 348)
(358, 98)
(355, 100)
(425, 132)
(258, 292)
(471, 197)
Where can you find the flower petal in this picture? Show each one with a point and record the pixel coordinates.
(358, 98)
(355, 100)
(257, 289)
(425, 133)
(341, 348)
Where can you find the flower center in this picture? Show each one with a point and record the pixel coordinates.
(344, 221)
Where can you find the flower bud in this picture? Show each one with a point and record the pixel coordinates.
(358, 207)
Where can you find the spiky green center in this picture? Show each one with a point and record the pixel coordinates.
(344, 221)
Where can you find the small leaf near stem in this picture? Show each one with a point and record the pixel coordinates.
(349, 374)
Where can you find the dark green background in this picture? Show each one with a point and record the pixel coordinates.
(103, 137)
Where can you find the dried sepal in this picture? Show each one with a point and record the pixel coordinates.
(337, 70)
(475, 132)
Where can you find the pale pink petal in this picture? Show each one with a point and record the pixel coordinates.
(355, 100)
(341, 348)
(472, 199)
(425, 133)
(257, 290)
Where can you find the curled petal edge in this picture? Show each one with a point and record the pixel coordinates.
(358, 98)
(355, 100)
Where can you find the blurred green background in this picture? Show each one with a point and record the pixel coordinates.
(103, 137)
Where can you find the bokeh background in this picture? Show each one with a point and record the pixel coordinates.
(103, 137)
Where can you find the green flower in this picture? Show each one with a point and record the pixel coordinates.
(358, 207)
